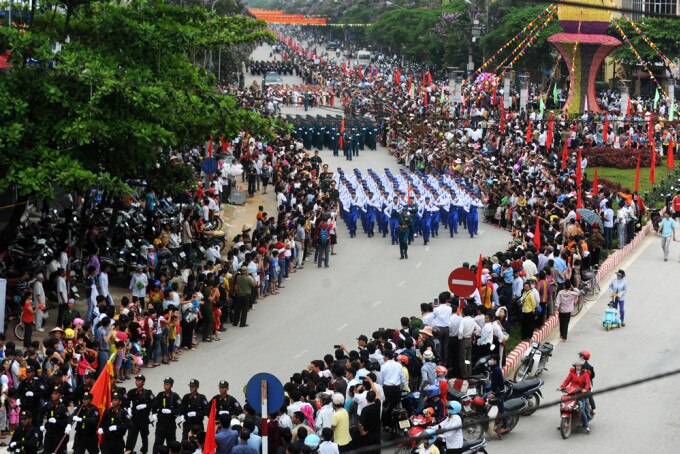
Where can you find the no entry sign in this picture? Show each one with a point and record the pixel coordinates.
(462, 282)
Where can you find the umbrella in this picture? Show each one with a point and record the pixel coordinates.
(591, 217)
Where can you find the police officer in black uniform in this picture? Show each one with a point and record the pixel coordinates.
(141, 401)
(226, 404)
(30, 392)
(166, 407)
(86, 419)
(26, 436)
(194, 408)
(115, 422)
(83, 388)
(55, 421)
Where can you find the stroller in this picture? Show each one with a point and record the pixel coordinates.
(611, 317)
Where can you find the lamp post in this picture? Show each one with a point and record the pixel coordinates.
(458, 84)
(506, 86)
(523, 90)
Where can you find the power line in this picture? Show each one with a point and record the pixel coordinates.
(487, 420)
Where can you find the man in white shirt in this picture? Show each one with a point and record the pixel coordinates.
(453, 358)
(468, 328)
(62, 295)
(393, 381)
(442, 317)
(485, 338)
(104, 284)
(324, 417)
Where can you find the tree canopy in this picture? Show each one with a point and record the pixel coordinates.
(109, 102)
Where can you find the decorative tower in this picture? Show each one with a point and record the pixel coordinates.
(583, 46)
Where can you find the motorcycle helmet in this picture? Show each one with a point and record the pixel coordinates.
(454, 408)
(403, 359)
(312, 441)
(431, 435)
(441, 370)
(585, 354)
(432, 391)
(478, 402)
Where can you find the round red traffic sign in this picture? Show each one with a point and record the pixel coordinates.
(462, 282)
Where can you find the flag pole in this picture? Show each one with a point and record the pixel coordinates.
(265, 416)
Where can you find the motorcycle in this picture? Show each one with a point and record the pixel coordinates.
(534, 360)
(416, 425)
(571, 412)
(474, 446)
(529, 389)
(488, 408)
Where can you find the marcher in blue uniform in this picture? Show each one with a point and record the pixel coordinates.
(426, 219)
(392, 211)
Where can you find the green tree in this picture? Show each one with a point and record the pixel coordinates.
(116, 98)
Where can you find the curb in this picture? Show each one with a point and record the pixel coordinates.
(515, 356)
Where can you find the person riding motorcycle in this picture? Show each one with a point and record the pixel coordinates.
(453, 426)
(585, 356)
(428, 446)
(496, 387)
(433, 401)
(580, 379)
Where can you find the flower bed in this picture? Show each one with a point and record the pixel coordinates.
(620, 158)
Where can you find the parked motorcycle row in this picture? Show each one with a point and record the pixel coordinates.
(521, 398)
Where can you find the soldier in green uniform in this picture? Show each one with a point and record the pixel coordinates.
(405, 222)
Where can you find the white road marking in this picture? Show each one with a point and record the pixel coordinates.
(377, 303)
(419, 264)
(300, 354)
(427, 248)
(401, 283)
(343, 327)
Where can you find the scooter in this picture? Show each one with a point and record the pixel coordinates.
(571, 412)
(534, 361)
(417, 424)
(488, 408)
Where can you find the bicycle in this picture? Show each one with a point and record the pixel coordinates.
(590, 287)
(19, 328)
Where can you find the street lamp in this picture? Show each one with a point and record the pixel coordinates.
(523, 90)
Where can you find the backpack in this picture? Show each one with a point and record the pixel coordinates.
(324, 234)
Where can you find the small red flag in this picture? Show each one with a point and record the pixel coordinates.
(426, 97)
(529, 133)
(596, 190)
(579, 171)
(410, 82)
(210, 146)
(397, 76)
(341, 142)
(637, 175)
(670, 161)
(628, 108)
(652, 169)
(537, 234)
(223, 144)
(478, 276)
(101, 392)
(565, 154)
(429, 78)
(502, 126)
(605, 129)
(210, 445)
(579, 200)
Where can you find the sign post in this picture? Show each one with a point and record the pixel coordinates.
(462, 282)
(266, 392)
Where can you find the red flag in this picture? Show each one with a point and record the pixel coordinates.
(397, 76)
(408, 193)
(628, 108)
(565, 154)
(210, 445)
(426, 97)
(429, 79)
(344, 68)
(549, 138)
(637, 175)
(596, 190)
(361, 72)
(579, 201)
(670, 161)
(537, 234)
(502, 126)
(410, 82)
(424, 78)
(341, 142)
(478, 277)
(101, 391)
(370, 76)
(652, 169)
(529, 133)
(493, 95)
(210, 145)
(223, 144)
(605, 128)
(579, 171)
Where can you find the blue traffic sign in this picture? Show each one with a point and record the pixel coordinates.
(275, 393)
(209, 165)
